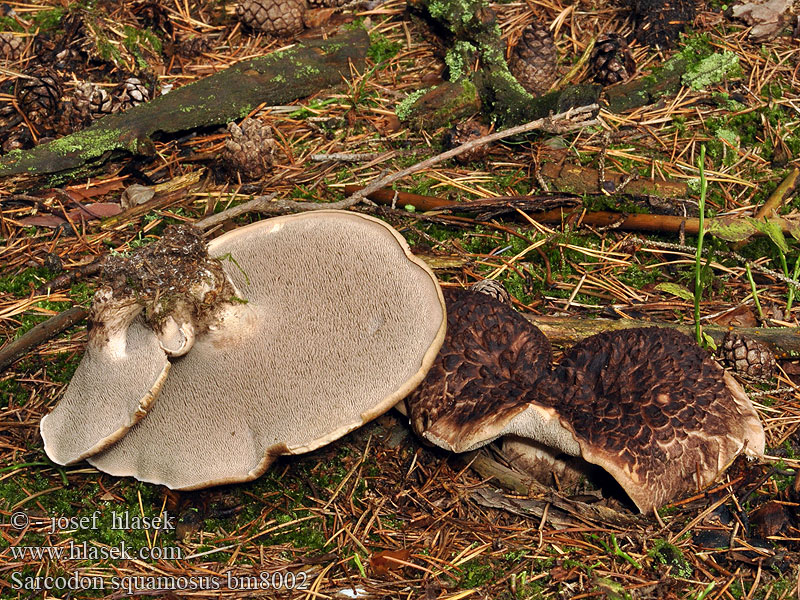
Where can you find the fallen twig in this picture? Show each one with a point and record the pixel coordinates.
(574, 118)
(779, 196)
(42, 332)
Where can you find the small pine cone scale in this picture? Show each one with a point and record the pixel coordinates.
(132, 92)
(747, 356)
(611, 60)
(39, 95)
(464, 132)
(11, 46)
(277, 17)
(534, 60)
(250, 149)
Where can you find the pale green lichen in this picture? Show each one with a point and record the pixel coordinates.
(405, 106)
(729, 136)
(711, 70)
(306, 71)
(457, 59)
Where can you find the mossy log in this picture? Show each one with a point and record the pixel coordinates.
(276, 78)
(646, 90)
(471, 24)
(471, 27)
(566, 331)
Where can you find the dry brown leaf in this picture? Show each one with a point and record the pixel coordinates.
(742, 316)
(88, 212)
(318, 17)
(387, 560)
(82, 192)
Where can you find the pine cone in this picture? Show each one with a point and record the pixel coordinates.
(612, 61)
(534, 60)
(250, 149)
(464, 132)
(130, 93)
(91, 101)
(39, 96)
(492, 288)
(660, 22)
(747, 356)
(195, 45)
(278, 17)
(11, 46)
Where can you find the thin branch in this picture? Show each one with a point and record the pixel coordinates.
(574, 118)
(42, 332)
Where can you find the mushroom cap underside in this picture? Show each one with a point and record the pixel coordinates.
(340, 323)
(654, 410)
(113, 387)
(491, 361)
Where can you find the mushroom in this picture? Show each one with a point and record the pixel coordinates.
(340, 322)
(114, 385)
(653, 409)
(647, 405)
(146, 313)
(490, 360)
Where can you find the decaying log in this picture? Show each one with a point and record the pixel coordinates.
(274, 79)
(471, 27)
(646, 90)
(569, 177)
(566, 331)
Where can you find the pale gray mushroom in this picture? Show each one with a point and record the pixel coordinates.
(113, 387)
(340, 322)
(147, 312)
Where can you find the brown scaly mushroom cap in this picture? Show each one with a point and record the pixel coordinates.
(654, 410)
(647, 405)
(153, 303)
(479, 383)
(341, 322)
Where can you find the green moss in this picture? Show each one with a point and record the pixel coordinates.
(9, 24)
(476, 573)
(664, 553)
(138, 41)
(89, 143)
(48, 20)
(382, 49)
